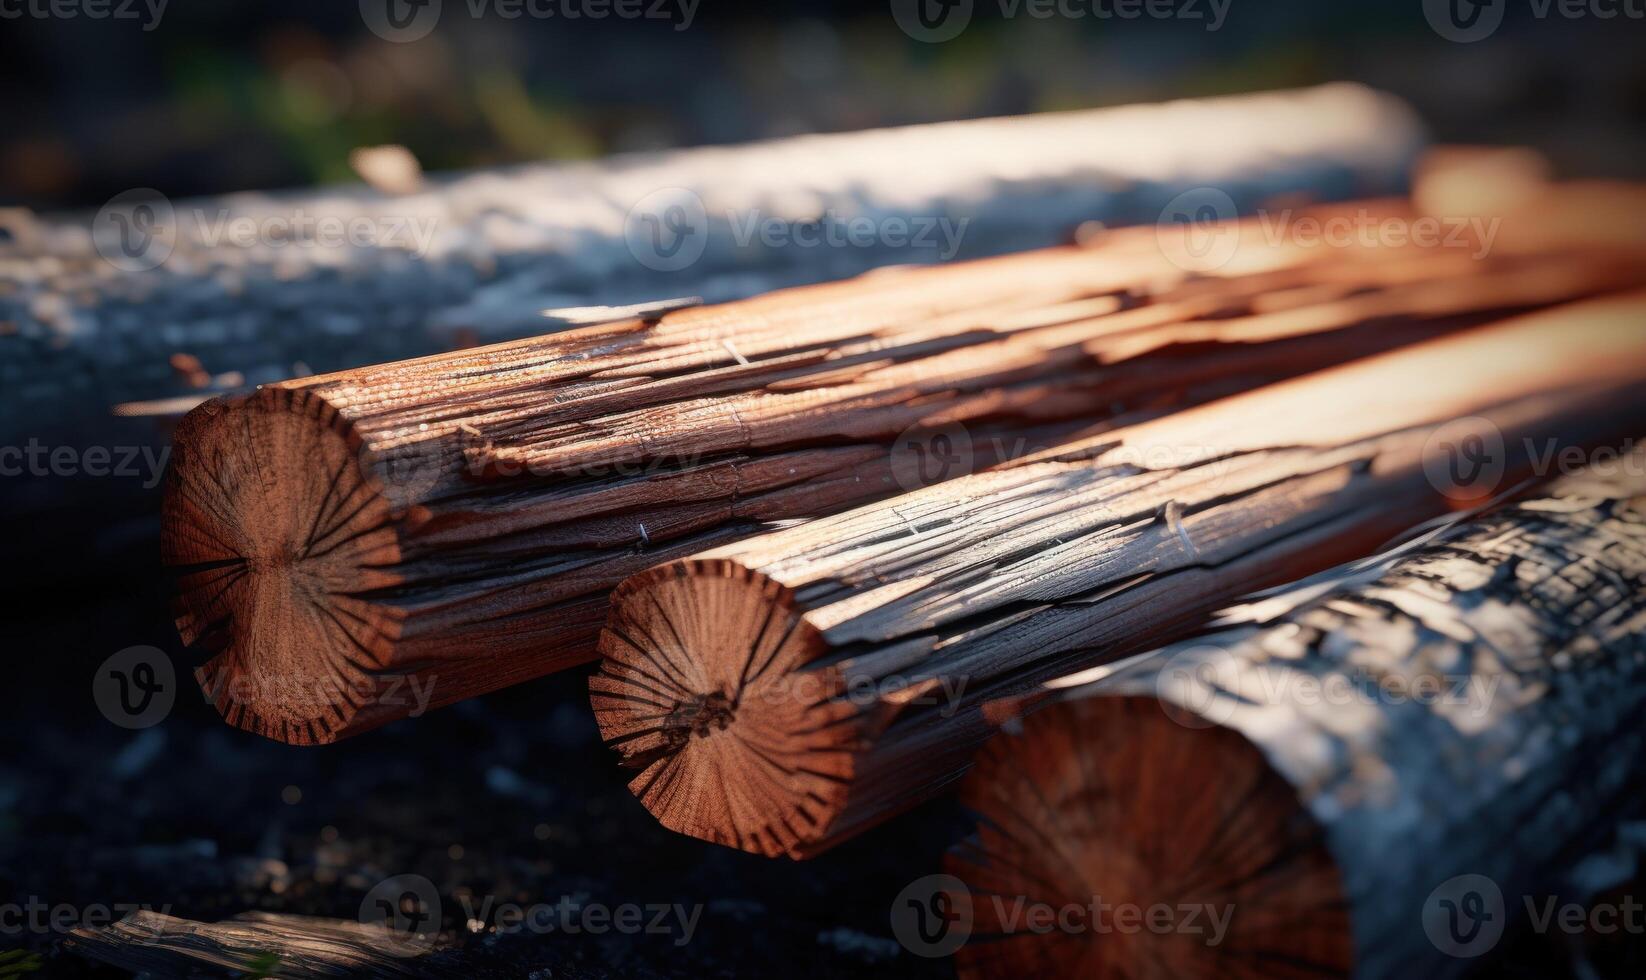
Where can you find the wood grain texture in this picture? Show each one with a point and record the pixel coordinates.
(475, 257)
(784, 693)
(260, 944)
(353, 548)
(1469, 705)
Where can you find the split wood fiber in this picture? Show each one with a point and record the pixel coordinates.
(353, 547)
(265, 944)
(1370, 778)
(782, 694)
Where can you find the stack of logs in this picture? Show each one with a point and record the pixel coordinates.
(837, 535)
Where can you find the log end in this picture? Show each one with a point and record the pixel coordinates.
(273, 527)
(1111, 800)
(703, 688)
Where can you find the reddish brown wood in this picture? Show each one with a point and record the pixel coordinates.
(353, 548)
(787, 692)
(1470, 706)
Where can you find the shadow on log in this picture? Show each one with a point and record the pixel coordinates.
(785, 693)
(455, 523)
(1377, 777)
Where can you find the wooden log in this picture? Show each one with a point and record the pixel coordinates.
(782, 694)
(87, 338)
(262, 944)
(347, 544)
(476, 257)
(1373, 776)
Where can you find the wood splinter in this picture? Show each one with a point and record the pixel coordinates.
(354, 548)
(785, 693)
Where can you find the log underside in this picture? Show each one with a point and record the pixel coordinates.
(783, 694)
(1529, 622)
(458, 521)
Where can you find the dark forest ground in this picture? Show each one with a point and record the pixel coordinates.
(193, 815)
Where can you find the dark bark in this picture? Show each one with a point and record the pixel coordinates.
(1470, 705)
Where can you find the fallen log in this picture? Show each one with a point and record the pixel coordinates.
(90, 336)
(784, 693)
(1373, 776)
(262, 944)
(476, 257)
(453, 525)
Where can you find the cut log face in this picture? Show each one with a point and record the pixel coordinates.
(355, 547)
(1119, 804)
(900, 621)
(278, 527)
(1460, 717)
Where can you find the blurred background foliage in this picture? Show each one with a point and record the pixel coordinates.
(226, 96)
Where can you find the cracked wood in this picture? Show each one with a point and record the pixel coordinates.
(850, 660)
(1468, 706)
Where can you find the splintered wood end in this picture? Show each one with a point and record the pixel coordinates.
(274, 527)
(705, 689)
